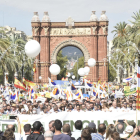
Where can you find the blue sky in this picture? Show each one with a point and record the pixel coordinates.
(18, 13)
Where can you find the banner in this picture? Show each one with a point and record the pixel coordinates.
(71, 117)
(129, 91)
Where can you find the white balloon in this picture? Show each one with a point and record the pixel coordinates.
(81, 72)
(86, 70)
(73, 76)
(91, 62)
(54, 69)
(32, 48)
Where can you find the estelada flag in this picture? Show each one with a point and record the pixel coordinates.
(19, 85)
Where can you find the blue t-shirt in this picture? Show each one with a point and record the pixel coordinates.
(61, 137)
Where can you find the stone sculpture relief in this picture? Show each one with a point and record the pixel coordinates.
(45, 30)
(35, 30)
(94, 29)
(104, 29)
(65, 31)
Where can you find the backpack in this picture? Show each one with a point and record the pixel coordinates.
(33, 137)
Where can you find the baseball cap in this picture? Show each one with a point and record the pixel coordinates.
(92, 125)
(129, 129)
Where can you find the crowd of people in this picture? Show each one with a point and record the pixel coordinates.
(59, 131)
(50, 105)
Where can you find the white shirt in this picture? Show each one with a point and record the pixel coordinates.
(76, 134)
(25, 137)
(17, 136)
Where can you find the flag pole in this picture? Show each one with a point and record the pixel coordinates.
(137, 102)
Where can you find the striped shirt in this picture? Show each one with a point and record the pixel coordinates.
(97, 136)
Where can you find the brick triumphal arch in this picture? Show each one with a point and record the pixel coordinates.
(90, 37)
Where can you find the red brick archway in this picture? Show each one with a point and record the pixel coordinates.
(90, 37)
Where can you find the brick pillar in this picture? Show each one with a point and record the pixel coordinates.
(36, 75)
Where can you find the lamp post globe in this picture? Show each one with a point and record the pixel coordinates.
(32, 48)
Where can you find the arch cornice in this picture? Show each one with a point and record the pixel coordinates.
(70, 42)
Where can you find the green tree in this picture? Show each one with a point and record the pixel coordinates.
(112, 74)
(61, 61)
(80, 65)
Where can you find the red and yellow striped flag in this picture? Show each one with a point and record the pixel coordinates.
(138, 90)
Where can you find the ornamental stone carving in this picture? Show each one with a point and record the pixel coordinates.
(71, 43)
(35, 30)
(104, 29)
(35, 18)
(46, 17)
(94, 29)
(93, 17)
(66, 31)
(69, 22)
(45, 30)
(103, 16)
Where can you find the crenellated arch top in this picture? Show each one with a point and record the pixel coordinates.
(69, 42)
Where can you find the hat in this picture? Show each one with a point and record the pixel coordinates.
(14, 105)
(91, 125)
(129, 129)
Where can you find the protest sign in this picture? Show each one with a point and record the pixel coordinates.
(71, 117)
(129, 91)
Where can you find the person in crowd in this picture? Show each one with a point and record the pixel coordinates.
(120, 128)
(86, 134)
(92, 127)
(115, 136)
(133, 107)
(125, 108)
(105, 107)
(66, 130)
(27, 131)
(62, 108)
(8, 111)
(109, 131)
(70, 108)
(78, 127)
(51, 126)
(2, 138)
(48, 135)
(114, 107)
(14, 110)
(37, 130)
(12, 127)
(23, 111)
(8, 134)
(78, 108)
(58, 134)
(30, 110)
(101, 132)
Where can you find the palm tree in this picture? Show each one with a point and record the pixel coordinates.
(120, 37)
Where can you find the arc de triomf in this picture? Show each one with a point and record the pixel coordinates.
(90, 37)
